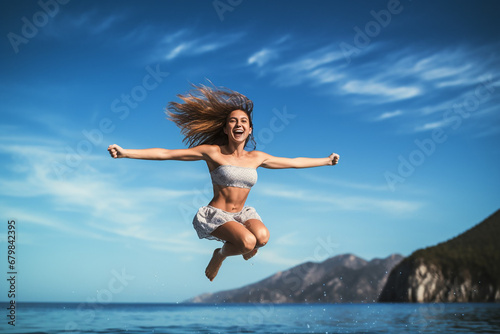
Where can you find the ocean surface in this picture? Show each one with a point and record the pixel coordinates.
(261, 318)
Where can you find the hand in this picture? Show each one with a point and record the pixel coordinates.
(116, 151)
(334, 159)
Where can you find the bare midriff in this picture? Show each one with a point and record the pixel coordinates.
(230, 199)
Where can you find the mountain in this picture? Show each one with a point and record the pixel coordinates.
(340, 279)
(463, 269)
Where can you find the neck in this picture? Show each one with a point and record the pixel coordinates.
(235, 149)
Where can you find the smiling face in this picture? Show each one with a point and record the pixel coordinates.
(238, 126)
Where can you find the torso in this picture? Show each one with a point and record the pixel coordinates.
(231, 199)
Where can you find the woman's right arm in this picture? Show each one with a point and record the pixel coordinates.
(189, 154)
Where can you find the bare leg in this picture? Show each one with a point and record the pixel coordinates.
(238, 240)
(214, 264)
(261, 234)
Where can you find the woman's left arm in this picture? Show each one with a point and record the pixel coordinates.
(270, 161)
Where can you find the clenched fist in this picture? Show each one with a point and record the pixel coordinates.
(116, 151)
(335, 158)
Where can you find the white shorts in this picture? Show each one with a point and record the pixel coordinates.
(209, 218)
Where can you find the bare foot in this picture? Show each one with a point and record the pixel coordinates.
(250, 254)
(214, 265)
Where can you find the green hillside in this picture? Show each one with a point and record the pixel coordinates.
(477, 249)
(463, 269)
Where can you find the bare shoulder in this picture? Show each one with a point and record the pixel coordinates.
(208, 149)
(212, 153)
(258, 156)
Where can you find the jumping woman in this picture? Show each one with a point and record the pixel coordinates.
(217, 125)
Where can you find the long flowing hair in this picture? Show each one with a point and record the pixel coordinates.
(203, 115)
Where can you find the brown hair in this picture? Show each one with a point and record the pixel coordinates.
(203, 115)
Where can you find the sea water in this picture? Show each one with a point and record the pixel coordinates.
(253, 318)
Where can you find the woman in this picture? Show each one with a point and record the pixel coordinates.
(217, 124)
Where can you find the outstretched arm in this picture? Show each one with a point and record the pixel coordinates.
(189, 154)
(270, 161)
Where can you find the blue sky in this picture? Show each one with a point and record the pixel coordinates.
(406, 92)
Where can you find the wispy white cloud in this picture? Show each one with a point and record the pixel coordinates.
(381, 89)
(389, 114)
(178, 50)
(432, 125)
(448, 118)
(491, 131)
(453, 83)
(351, 203)
(101, 205)
(313, 60)
(53, 222)
(269, 53)
(262, 57)
(430, 82)
(477, 100)
(347, 184)
(275, 257)
(446, 67)
(443, 80)
(92, 22)
(182, 44)
(287, 239)
(181, 242)
(444, 72)
(105, 24)
(451, 69)
(317, 67)
(432, 108)
(173, 37)
(419, 71)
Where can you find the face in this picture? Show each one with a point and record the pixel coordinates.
(238, 126)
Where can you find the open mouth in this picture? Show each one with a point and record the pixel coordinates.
(238, 132)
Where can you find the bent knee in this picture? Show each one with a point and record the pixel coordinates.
(247, 243)
(262, 237)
